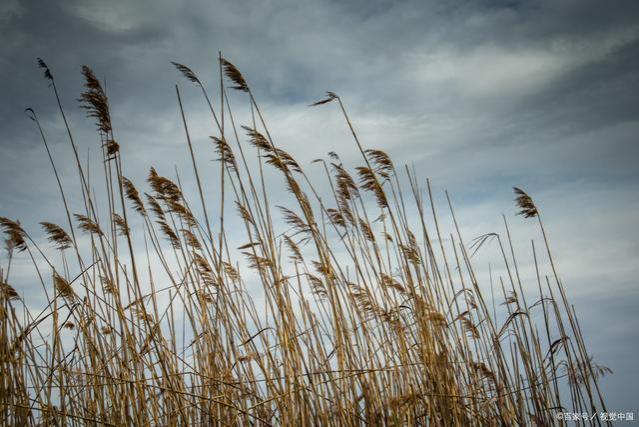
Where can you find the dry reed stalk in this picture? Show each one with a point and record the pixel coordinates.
(342, 309)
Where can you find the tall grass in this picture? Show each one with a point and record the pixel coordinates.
(349, 306)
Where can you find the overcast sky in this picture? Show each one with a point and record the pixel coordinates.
(478, 96)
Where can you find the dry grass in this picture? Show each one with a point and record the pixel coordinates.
(366, 314)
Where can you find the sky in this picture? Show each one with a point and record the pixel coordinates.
(477, 96)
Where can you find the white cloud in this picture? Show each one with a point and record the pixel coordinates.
(494, 70)
(122, 15)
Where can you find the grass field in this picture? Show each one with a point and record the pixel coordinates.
(349, 305)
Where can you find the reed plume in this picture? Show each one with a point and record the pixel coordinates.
(329, 299)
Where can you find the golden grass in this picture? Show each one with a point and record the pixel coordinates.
(366, 316)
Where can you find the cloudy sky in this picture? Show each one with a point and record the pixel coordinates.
(478, 96)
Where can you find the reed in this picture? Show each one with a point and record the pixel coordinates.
(347, 303)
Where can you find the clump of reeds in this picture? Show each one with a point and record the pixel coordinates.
(366, 314)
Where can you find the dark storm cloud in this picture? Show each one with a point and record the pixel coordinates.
(370, 51)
